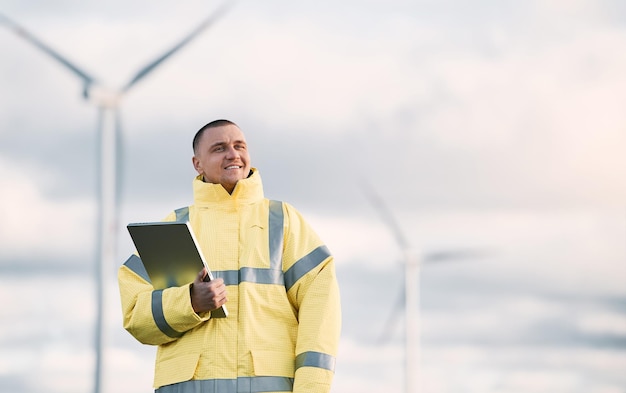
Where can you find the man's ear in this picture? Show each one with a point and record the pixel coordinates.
(196, 164)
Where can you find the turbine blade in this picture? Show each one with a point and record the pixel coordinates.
(20, 31)
(386, 215)
(151, 66)
(392, 319)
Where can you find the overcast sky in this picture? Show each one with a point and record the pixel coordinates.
(487, 125)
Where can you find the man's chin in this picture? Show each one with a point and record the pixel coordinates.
(230, 181)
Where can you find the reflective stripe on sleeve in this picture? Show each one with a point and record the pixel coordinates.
(315, 359)
(159, 317)
(134, 263)
(305, 265)
(239, 385)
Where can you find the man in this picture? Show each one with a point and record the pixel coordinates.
(272, 272)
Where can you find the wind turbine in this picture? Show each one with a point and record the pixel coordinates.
(412, 262)
(107, 101)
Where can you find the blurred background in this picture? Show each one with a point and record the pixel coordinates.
(492, 132)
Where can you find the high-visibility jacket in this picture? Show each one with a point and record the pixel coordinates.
(284, 321)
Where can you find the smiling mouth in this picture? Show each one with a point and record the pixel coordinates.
(234, 167)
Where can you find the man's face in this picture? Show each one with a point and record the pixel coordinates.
(222, 156)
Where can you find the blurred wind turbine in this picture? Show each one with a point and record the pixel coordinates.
(410, 293)
(109, 131)
(411, 263)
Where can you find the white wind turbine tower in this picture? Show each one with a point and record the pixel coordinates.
(108, 101)
(412, 261)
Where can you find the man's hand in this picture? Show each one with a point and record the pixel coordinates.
(207, 296)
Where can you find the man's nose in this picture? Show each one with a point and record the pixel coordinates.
(231, 152)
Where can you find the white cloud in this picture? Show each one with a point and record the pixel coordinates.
(129, 369)
(603, 323)
(548, 114)
(36, 226)
(520, 369)
(347, 239)
(383, 365)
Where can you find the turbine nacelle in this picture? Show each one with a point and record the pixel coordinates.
(102, 96)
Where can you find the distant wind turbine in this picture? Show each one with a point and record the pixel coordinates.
(109, 131)
(410, 298)
(411, 263)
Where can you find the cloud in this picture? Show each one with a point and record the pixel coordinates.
(604, 323)
(509, 124)
(38, 226)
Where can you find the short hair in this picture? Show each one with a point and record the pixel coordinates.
(213, 124)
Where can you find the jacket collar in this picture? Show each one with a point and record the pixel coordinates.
(248, 190)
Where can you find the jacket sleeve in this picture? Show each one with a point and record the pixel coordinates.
(314, 292)
(154, 316)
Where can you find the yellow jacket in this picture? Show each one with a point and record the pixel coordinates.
(282, 331)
